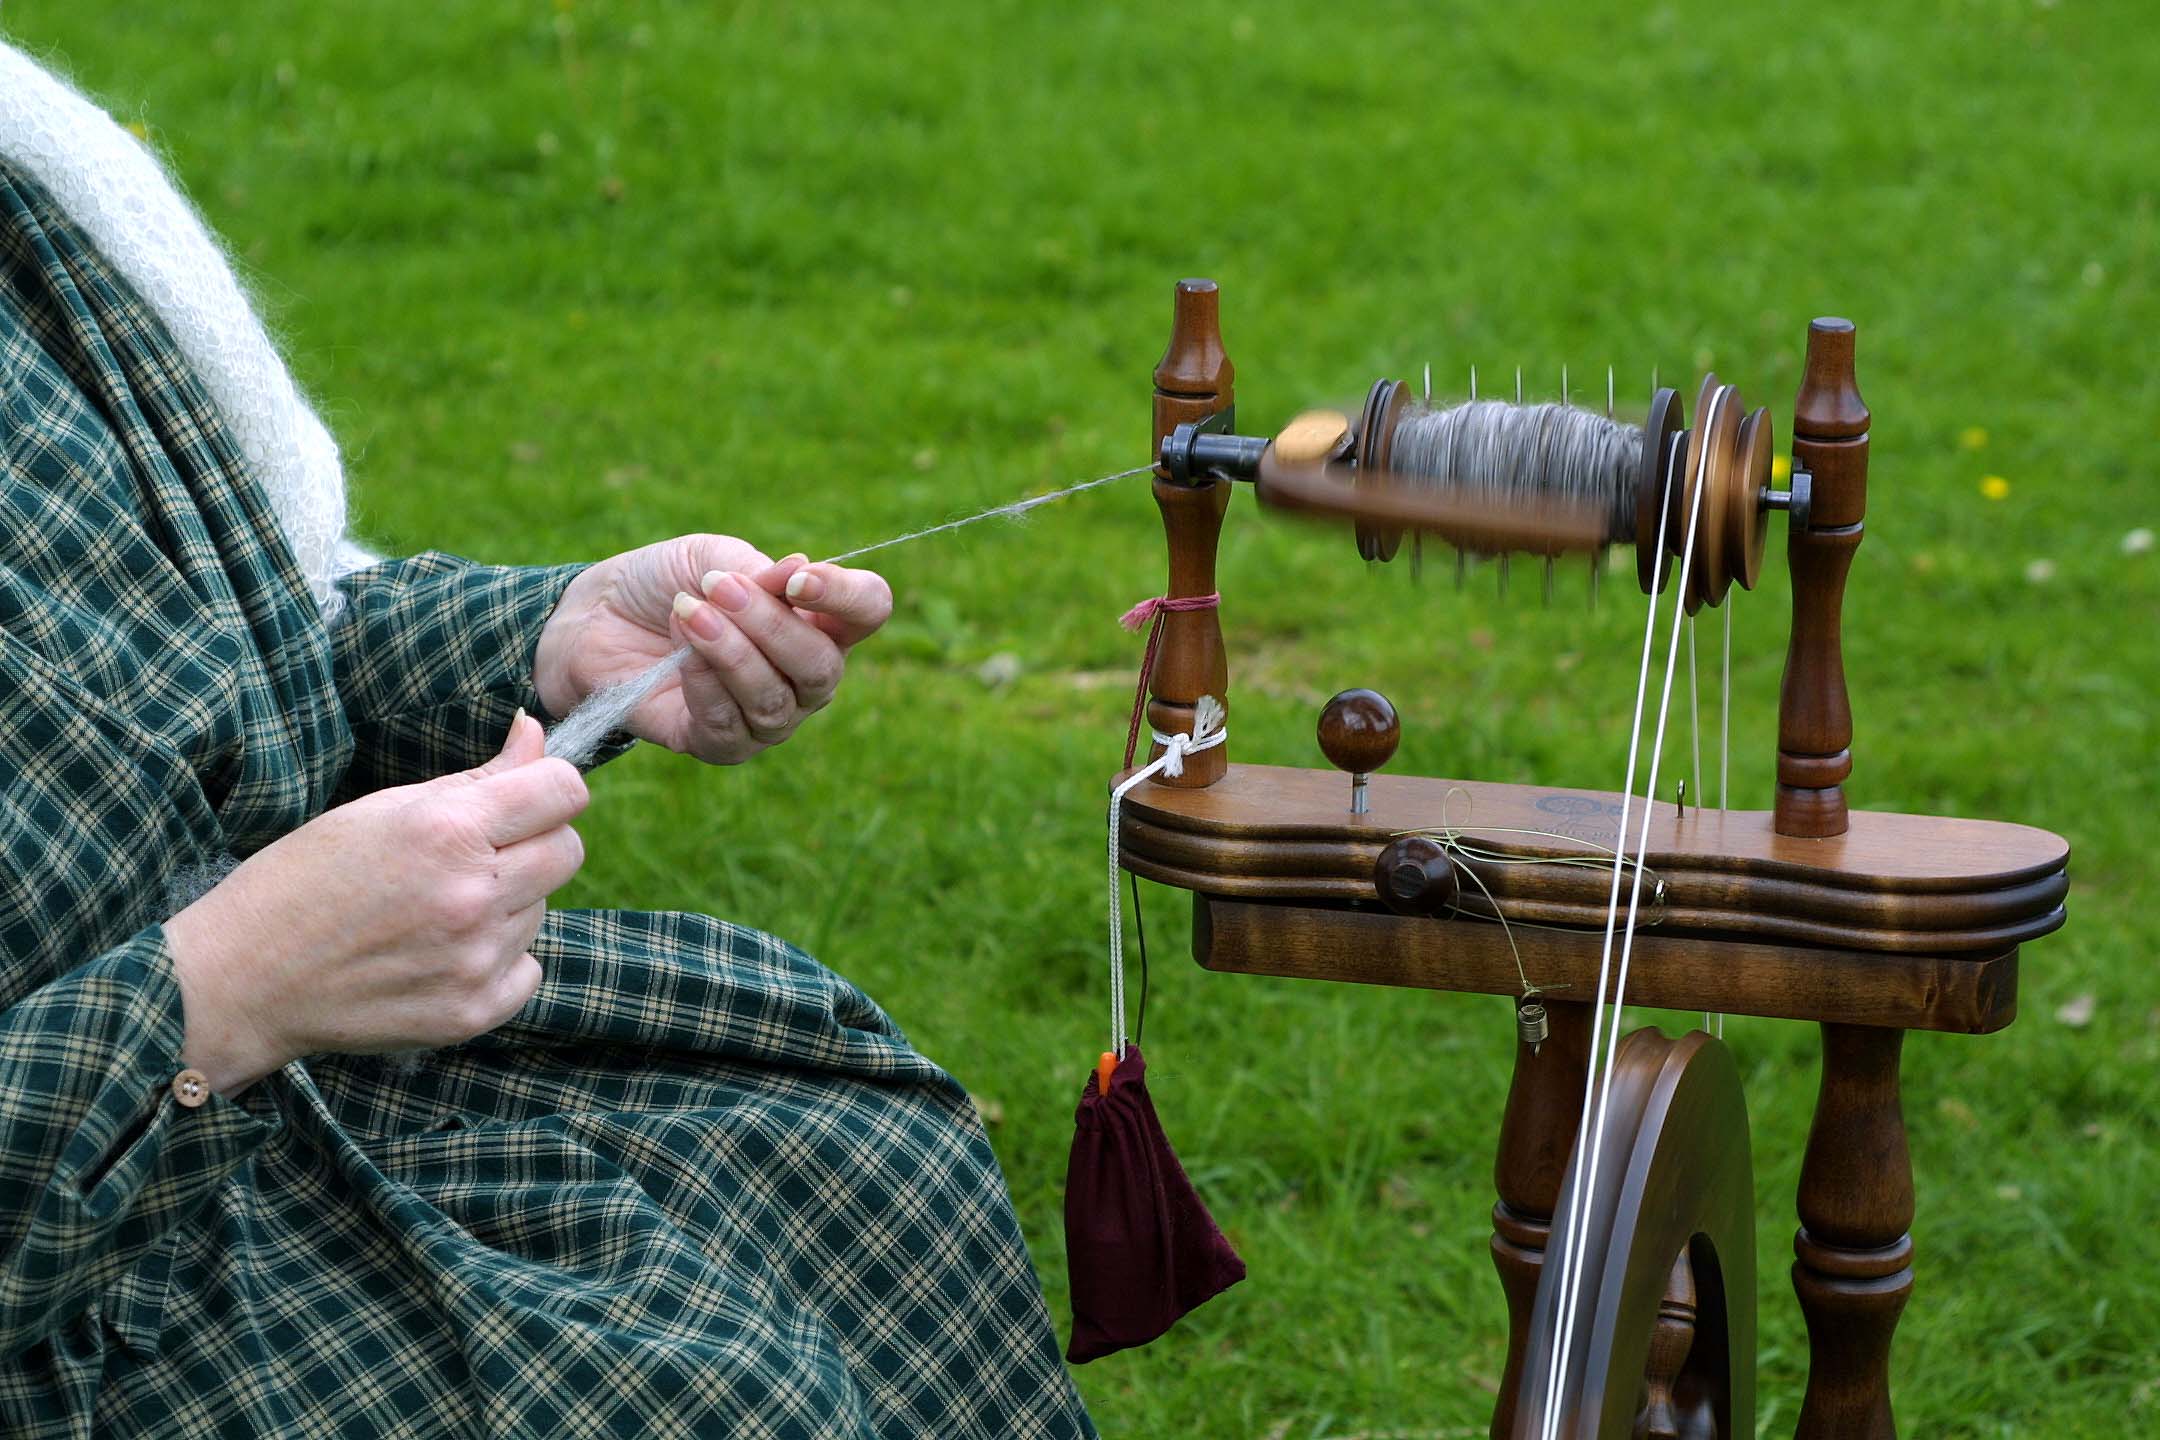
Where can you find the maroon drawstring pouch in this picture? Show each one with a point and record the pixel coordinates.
(1140, 1248)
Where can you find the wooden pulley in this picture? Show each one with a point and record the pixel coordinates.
(1664, 431)
(1750, 519)
(1727, 457)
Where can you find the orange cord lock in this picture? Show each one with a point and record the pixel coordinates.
(1104, 1069)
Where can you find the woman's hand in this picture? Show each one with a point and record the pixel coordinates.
(768, 640)
(403, 919)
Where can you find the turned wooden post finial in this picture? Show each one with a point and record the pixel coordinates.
(1830, 443)
(1193, 382)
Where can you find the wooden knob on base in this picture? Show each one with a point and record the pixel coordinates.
(1415, 876)
(1358, 733)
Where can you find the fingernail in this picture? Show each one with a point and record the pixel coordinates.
(696, 617)
(712, 578)
(728, 593)
(805, 585)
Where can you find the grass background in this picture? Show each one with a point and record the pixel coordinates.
(568, 277)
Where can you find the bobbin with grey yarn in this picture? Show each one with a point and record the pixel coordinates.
(1495, 477)
(1493, 451)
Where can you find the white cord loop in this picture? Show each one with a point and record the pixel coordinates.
(1208, 732)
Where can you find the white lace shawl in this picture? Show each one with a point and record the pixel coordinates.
(113, 187)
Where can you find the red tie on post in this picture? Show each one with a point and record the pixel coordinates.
(1140, 614)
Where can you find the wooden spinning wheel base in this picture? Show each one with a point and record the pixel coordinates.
(1660, 1340)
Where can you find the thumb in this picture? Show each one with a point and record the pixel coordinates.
(525, 743)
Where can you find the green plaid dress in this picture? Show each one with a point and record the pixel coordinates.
(699, 1186)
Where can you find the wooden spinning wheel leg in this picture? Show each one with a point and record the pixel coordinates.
(1663, 1333)
(1853, 1269)
(1544, 1106)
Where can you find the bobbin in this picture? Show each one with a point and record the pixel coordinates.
(1330, 463)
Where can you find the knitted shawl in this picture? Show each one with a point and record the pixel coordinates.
(113, 187)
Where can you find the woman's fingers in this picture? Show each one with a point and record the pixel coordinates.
(771, 647)
(514, 984)
(772, 578)
(524, 930)
(849, 604)
(528, 800)
(799, 650)
(752, 697)
(535, 868)
(704, 553)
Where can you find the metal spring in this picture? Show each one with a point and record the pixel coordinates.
(1532, 1025)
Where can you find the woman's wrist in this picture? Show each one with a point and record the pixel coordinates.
(221, 1038)
(552, 680)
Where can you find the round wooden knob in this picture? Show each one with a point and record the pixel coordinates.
(1415, 877)
(1358, 731)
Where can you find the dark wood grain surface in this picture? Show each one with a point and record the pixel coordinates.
(1889, 883)
(1964, 995)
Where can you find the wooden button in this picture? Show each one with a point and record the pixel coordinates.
(1359, 731)
(191, 1088)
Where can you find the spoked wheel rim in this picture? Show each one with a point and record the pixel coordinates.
(1673, 1182)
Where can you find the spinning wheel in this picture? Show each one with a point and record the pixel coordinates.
(1664, 1326)
(1627, 1258)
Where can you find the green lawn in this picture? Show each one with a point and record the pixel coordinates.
(568, 277)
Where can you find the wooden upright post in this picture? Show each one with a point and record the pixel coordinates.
(1830, 442)
(1193, 382)
(1537, 1136)
(1853, 1269)
(1854, 1266)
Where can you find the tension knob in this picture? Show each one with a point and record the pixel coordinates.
(1415, 876)
(1358, 733)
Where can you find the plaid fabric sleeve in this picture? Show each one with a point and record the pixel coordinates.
(98, 1159)
(434, 654)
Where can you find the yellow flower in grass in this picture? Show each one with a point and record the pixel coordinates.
(1972, 437)
(1994, 487)
(1781, 467)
